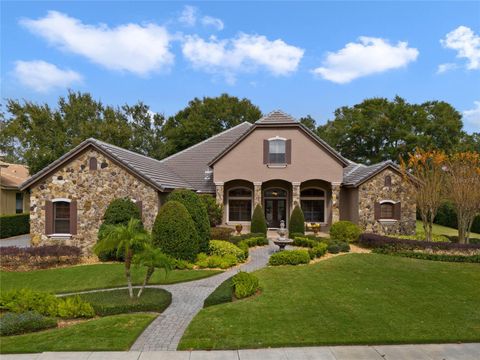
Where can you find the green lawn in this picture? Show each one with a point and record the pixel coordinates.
(444, 230)
(104, 334)
(349, 299)
(88, 277)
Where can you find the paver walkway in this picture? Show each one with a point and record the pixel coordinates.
(165, 332)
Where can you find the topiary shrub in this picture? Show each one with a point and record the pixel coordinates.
(244, 285)
(197, 211)
(118, 212)
(214, 210)
(345, 231)
(13, 225)
(258, 224)
(174, 231)
(14, 324)
(297, 221)
(290, 257)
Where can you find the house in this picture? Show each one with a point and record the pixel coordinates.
(276, 162)
(12, 200)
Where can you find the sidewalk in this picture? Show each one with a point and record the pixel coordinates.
(19, 241)
(385, 352)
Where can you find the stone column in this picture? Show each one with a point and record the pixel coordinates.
(295, 195)
(257, 193)
(335, 202)
(219, 193)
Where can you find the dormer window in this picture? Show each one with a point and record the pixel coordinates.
(277, 151)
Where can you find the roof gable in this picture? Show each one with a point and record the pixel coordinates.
(356, 174)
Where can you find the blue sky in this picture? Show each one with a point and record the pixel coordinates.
(302, 57)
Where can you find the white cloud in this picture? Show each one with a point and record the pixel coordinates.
(467, 45)
(188, 17)
(442, 68)
(368, 56)
(244, 53)
(42, 76)
(139, 49)
(472, 116)
(211, 21)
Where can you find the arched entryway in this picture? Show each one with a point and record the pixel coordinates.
(276, 196)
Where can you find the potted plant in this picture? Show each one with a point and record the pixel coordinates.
(315, 228)
(239, 228)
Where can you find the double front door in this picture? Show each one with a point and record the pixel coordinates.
(275, 211)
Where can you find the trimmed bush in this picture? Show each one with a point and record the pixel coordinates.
(243, 245)
(234, 239)
(216, 261)
(304, 242)
(258, 224)
(197, 211)
(318, 250)
(297, 221)
(221, 233)
(38, 257)
(214, 211)
(333, 248)
(223, 248)
(430, 256)
(174, 232)
(293, 236)
(222, 294)
(30, 321)
(244, 285)
(13, 225)
(290, 257)
(345, 231)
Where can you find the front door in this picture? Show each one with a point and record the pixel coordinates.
(275, 211)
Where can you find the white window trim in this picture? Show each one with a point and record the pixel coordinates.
(277, 165)
(324, 198)
(60, 236)
(387, 221)
(239, 198)
(277, 138)
(287, 205)
(61, 200)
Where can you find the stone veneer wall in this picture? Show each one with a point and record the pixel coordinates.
(374, 190)
(93, 190)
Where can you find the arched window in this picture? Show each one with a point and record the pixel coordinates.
(277, 151)
(275, 193)
(388, 180)
(313, 203)
(239, 204)
(387, 210)
(92, 163)
(61, 217)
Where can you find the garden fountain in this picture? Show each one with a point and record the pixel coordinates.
(282, 240)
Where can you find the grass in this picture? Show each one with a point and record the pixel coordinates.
(89, 277)
(443, 230)
(222, 294)
(104, 334)
(119, 302)
(349, 299)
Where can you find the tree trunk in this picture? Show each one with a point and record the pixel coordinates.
(128, 262)
(148, 275)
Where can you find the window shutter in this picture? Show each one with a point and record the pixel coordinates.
(397, 211)
(92, 163)
(377, 210)
(265, 151)
(288, 151)
(73, 217)
(140, 208)
(48, 217)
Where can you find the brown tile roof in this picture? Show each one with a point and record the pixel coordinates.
(356, 174)
(12, 175)
(275, 117)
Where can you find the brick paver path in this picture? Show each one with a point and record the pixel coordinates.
(165, 332)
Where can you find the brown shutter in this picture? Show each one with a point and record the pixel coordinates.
(288, 151)
(48, 217)
(73, 217)
(92, 163)
(265, 151)
(140, 208)
(377, 210)
(397, 211)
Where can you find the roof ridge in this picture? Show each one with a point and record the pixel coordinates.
(276, 111)
(204, 141)
(353, 170)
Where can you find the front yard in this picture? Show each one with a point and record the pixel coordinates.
(350, 299)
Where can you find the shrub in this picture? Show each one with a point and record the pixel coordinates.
(318, 250)
(216, 261)
(174, 232)
(197, 211)
(74, 307)
(234, 239)
(182, 264)
(214, 210)
(14, 324)
(222, 294)
(304, 242)
(39, 257)
(258, 224)
(243, 245)
(290, 257)
(333, 248)
(13, 225)
(293, 236)
(244, 285)
(223, 248)
(297, 221)
(454, 239)
(221, 233)
(430, 256)
(118, 212)
(345, 231)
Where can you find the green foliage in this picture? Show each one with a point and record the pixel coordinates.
(294, 235)
(197, 211)
(304, 242)
(235, 239)
(345, 231)
(420, 236)
(318, 250)
(222, 294)
(222, 248)
(13, 225)
(289, 257)
(221, 233)
(244, 284)
(30, 321)
(430, 256)
(335, 247)
(251, 242)
(74, 307)
(297, 221)
(183, 264)
(174, 231)
(447, 216)
(258, 224)
(214, 211)
(216, 261)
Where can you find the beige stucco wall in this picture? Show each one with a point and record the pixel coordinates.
(374, 190)
(93, 190)
(309, 160)
(8, 202)
(349, 204)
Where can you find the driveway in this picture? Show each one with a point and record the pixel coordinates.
(19, 241)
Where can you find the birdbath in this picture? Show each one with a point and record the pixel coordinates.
(282, 241)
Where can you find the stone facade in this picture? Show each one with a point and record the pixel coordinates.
(374, 190)
(335, 202)
(93, 190)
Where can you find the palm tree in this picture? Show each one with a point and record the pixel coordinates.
(128, 239)
(152, 258)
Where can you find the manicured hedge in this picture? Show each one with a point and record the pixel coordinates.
(14, 324)
(235, 239)
(222, 294)
(221, 233)
(290, 257)
(297, 221)
(304, 242)
(345, 231)
(13, 225)
(430, 256)
(258, 224)
(244, 285)
(318, 250)
(216, 261)
(223, 248)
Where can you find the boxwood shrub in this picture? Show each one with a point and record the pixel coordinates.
(318, 250)
(345, 231)
(223, 248)
(430, 256)
(235, 239)
(258, 224)
(290, 257)
(15, 324)
(221, 233)
(244, 285)
(297, 221)
(13, 225)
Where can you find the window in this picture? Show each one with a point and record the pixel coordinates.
(312, 201)
(275, 193)
(239, 204)
(61, 217)
(19, 203)
(92, 163)
(277, 151)
(387, 210)
(388, 180)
